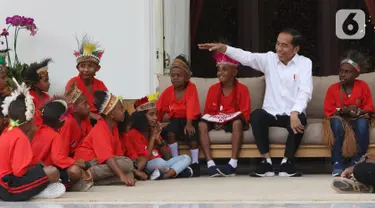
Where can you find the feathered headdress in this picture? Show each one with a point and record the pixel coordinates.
(109, 103)
(73, 93)
(30, 108)
(88, 51)
(224, 59)
(147, 102)
(3, 57)
(36, 70)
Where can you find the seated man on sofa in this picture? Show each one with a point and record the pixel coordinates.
(227, 107)
(289, 88)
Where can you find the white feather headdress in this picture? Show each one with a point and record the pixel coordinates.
(21, 89)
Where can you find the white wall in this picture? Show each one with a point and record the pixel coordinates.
(121, 26)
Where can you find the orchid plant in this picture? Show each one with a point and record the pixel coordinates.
(16, 24)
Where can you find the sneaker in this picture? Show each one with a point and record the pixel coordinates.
(196, 169)
(287, 170)
(344, 185)
(337, 169)
(156, 175)
(263, 170)
(228, 171)
(187, 173)
(213, 171)
(52, 191)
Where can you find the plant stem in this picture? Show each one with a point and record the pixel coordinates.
(9, 60)
(6, 41)
(15, 46)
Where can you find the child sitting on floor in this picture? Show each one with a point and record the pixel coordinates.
(36, 77)
(227, 107)
(348, 107)
(50, 148)
(180, 101)
(88, 59)
(147, 142)
(77, 124)
(20, 179)
(102, 146)
(124, 128)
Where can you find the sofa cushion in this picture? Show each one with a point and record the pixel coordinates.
(315, 108)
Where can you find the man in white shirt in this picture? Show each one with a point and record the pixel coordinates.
(288, 90)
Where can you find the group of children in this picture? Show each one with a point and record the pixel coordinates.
(53, 144)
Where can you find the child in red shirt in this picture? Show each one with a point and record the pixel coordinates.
(88, 59)
(227, 107)
(180, 101)
(128, 149)
(51, 149)
(102, 146)
(36, 77)
(348, 106)
(20, 178)
(147, 143)
(77, 124)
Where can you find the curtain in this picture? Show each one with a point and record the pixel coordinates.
(196, 7)
(176, 28)
(371, 9)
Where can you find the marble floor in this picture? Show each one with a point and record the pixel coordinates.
(309, 191)
(246, 205)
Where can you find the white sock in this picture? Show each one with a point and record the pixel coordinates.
(194, 156)
(284, 160)
(210, 163)
(268, 160)
(174, 149)
(233, 162)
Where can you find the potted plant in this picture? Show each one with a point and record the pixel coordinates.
(15, 24)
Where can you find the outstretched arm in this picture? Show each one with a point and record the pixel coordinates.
(257, 61)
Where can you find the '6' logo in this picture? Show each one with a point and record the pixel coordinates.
(350, 24)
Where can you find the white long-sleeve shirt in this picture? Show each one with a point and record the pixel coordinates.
(288, 87)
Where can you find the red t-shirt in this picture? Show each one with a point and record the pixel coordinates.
(48, 147)
(73, 133)
(140, 144)
(187, 107)
(15, 153)
(96, 85)
(361, 97)
(127, 146)
(227, 103)
(101, 143)
(39, 103)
